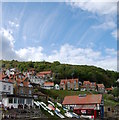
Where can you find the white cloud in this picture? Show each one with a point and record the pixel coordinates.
(7, 45)
(7, 34)
(105, 9)
(105, 25)
(100, 7)
(70, 54)
(67, 54)
(31, 53)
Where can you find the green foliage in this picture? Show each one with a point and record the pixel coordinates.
(109, 100)
(35, 90)
(115, 92)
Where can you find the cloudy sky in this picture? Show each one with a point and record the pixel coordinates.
(70, 32)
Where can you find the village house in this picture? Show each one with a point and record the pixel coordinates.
(45, 75)
(22, 92)
(85, 86)
(88, 86)
(30, 72)
(93, 86)
(23, 88)
(48, 85)
(90, 105)
(36, 80)
(100, 88)
(69, 84)
(22, 98)
(108, 89)
(6, 86)
(11, 71)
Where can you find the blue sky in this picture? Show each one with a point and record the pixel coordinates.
(73, 33)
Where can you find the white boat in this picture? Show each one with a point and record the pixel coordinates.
(59, 114)
(51, 103)
(36, 103)
(60, 105)
(58, 109)
(68, 114)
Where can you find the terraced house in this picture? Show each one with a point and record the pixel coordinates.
(22, 94)
(85, 86)
(69, 84)
(88, 86)
(101, 88)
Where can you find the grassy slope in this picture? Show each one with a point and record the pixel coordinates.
(108, 101)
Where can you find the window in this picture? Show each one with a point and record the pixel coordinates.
(21, 91)
(29, 92)
(9, 88)
(10, 100)
(21, 101)
(108, 109)
(15, 100)
(68, 85)
(4, 87)
(29, 101)
(74, 84)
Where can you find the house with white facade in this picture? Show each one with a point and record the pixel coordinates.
(48, 85)
(16, 92)
(6, 87)
(16, 101)
(36, 80)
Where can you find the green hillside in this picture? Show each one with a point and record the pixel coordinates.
(83, 72)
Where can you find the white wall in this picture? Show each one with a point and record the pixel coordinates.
(6, 103)
(7, 84)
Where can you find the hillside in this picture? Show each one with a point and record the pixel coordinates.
(83, 72)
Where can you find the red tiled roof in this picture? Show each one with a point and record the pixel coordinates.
(86, 82)
(49, 84)
(109, 89)
(100, 85)
(46, 72)
(76, 100)
(41, 74)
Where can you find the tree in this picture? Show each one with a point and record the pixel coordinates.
(115, 92)
(30, 64)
